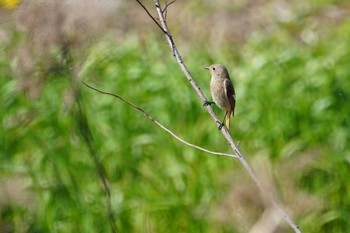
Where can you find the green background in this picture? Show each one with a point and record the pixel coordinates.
(291, 73)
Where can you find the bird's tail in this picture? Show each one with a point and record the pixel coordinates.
(228, 118)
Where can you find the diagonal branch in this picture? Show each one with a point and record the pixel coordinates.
(159, 124)
(150, 15)
(224, 130)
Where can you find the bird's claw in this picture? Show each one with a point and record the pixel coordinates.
(220, 125)
(206, 103)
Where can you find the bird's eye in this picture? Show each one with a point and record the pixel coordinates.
(213, 68)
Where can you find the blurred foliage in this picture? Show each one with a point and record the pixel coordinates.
(9, 4)
(293, 92)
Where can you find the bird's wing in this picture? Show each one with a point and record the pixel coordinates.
(230, 93)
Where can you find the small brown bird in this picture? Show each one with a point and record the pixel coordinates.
(222, 91)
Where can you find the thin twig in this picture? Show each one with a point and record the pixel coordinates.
(163, 29)
(167, 5)
(224, 130)
(150, 15)
(159, 124)
(165, 11)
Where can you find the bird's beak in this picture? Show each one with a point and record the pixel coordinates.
(207, 68)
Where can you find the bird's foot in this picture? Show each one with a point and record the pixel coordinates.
(220, 125)
(206, 103)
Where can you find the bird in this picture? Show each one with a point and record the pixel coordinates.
(222, 92)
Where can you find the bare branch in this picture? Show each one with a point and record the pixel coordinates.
(167, 5)
(164, 30)
(165, 10)
(151, 16)
(224, 130)
(159, 124)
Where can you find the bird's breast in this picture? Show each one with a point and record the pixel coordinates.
(218, 93)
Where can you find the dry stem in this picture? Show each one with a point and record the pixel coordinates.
(159, 124)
